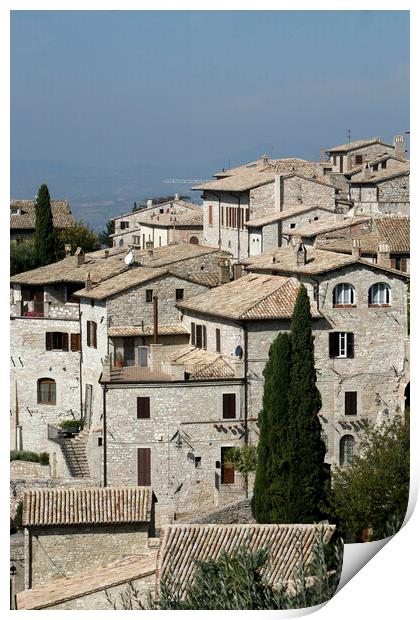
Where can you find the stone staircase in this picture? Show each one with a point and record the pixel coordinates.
(74, 450)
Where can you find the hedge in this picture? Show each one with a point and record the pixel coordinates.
(21, 455)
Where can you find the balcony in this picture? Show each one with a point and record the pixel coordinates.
(44, 309)
(32, 309)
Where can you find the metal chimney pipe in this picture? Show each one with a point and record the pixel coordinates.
(155, 319)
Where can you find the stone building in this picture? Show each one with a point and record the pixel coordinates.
(68, 531)
(361, 375)
(22, 218)
(242, 212)
(346, 157)
(173, 555)
(174, 221)
(386, 192)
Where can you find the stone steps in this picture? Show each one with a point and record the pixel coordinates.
(74, 450)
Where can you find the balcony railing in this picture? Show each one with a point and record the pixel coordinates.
(155, 372)
(32, 308)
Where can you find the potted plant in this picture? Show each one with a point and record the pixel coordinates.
(119, 360)
(71, 427)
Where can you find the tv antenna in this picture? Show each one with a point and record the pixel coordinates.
(349, 135)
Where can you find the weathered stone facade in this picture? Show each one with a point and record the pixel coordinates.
(68, 550)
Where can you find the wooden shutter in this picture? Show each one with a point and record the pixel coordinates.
(393, 263)
(193, 337)
(143, 407)
(350, 345)
(94, 328)
(228, 474)
(403, 264)
(143, 467)
(210, 215)
(88, 333)
(204, 337)
(199, 336)
(48, 341)
(222, 210)
(350, 404)
(229, 406)
(65, 341)
(334, 344)
(75, 342)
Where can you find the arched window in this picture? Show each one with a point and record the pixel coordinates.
(324, 438)
(347, 449)
(344, 296)
(380, 294)
(46, 391)
(194, 240)
(121, 242)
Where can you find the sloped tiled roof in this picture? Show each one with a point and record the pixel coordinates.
(183, 544)
(251, 297)
(60, 209)
(327, 224)
(288, 211)
(62, 589)
(380, 176)
(176, 203)
(146, 330)
(394, 230)
(173, 220)
(356, 144)
(283, 261)
(43, 507)
(247, 180)
(201, 364)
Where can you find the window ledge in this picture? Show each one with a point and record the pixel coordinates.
(341, 306)
(379, 305)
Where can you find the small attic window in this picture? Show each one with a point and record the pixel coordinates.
(14, 211)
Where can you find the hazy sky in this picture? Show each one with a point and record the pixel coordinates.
(122, 88)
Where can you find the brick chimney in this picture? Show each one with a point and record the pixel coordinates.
(106, 253)
(149, 203)
(149, 248)
(399, 146)
(356, 249)
(67, 249)
(300, 253)
(80, 257)
(296, 240)
(383, 256)
(224, 270)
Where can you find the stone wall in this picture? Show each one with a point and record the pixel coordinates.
(230, 239)
(185, 434)
(27, 469)
(64, 551)
(262, 200)
(238, 512)
(30, 361)
(298, 190)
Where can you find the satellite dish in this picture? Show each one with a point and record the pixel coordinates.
(129, 258)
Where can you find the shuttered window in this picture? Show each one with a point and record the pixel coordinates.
(56, 341)
(143, 467)
(143, 408)
(210, 215)
(193, 334)
(218, 343)
(341, 344)
(91, 334)
(229, 406)
(350, 403)
(359, 160)
(75, 342)
(227, 473)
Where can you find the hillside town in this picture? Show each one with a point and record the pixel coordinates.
(137, 367)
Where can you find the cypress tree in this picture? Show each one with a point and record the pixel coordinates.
(271, 479)
(305, 447)
(45, 238)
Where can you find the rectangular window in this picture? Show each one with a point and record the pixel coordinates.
(199, 336)
(334, 160)
(149, 295)
(350, 403)
(222, 212)
(143, 356)
(293, 225)
(399, 263)
(136, 240)
(143, 408)
(218, 343)
(359, 160)
(56, 341)
(341, 344)
(143, 467)
(124, 225)
(227, 474)
(384, 163)
(210, 215)
(75, 342)
(197, 462)
(70, 290)
(46, 391)
(193, 334)
(229, 406)
(91, 336)
(179, 294)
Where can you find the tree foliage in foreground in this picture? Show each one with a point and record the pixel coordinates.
(104, 236)
(45, 235)
(291, 476)
(78, 235)
(237, 581)
(22, 257)
(373, 490)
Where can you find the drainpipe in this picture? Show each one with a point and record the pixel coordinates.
(80, 363)
(155, 319)
(244, 327)
(104, 446)
(238, 198)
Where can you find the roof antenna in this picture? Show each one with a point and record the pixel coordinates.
(349, 135)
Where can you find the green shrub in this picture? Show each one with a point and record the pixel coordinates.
(32, 457)
(16, 522)
(70, 424)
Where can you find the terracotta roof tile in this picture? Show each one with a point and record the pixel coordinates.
(327, 224)
(62, 216)
(202, 364)
(394, 230)
(356, 144)
(78, 506)
(184, 544)
(288, 211)
(146, 330)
